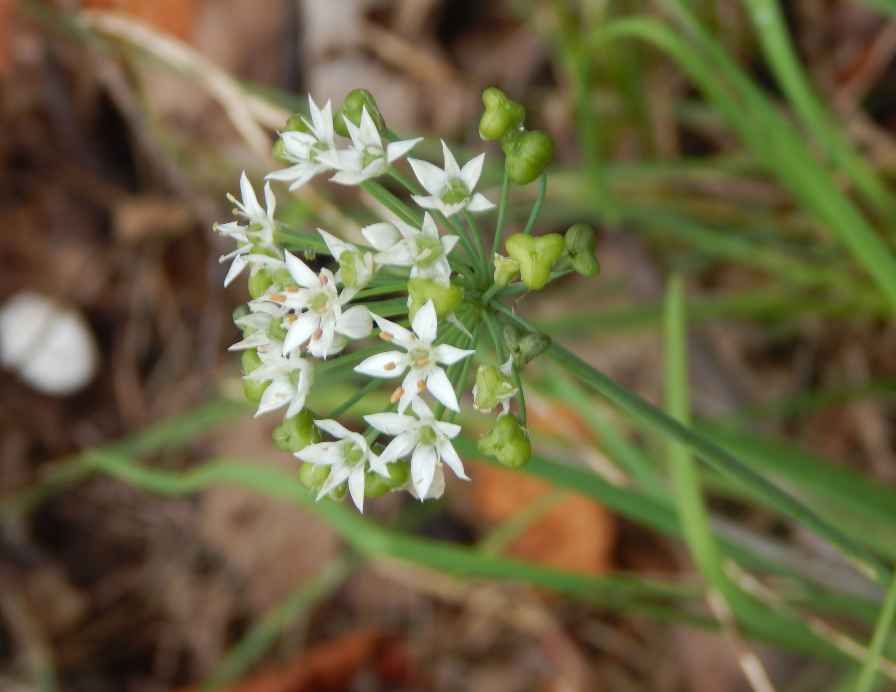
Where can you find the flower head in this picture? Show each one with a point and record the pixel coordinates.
(322, 322)
(307, 150)
(367, 157)
(290, 380)
(450, 189)
(255, 239)
(425, 439)
(349, 458)
(422, 249)
(421, 360)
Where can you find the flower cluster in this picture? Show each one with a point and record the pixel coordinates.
(313, 296)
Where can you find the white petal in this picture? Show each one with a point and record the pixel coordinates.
(449, 242)
(427, 201)
(449, 456)
(320, 347)
(300, 331)
(333, 428)
(301, 272)
(270, 200)
(337, 476)
(355, 323)
(411, 386)
(356, 487)
(352, 177)
(385, 365)
(425, 324)
(321, 454)
(423, 468)
(390, 423)
(449, 430)
(431, 177)
(395, 150)
(297, 403)
(479, 203)
(277, 394)
(429, 226)
(451, 168)
(395, 332)
(251, 341)
(440, 387)
(236, 268)
(381, 236)
(421, 410)
(400, 446)
(471, 171)
(250, 201)
(334, 244)
(399, 255)
(449, 355)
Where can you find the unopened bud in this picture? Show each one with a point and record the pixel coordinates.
(492, 387)
(506, 270)
(507, 442)
(376, 486)
(501, 115)
(259, 282)
(528, 154)
(580, 247)
(252, 389)
(296, 433)
(355, 102)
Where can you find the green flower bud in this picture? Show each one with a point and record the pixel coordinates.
(580, 247)
(536, 256)
(296, 123)
(259, 282)
(252, 390)
(501, 115)
(296, 433)
(313, 476)
(444, 298)
(276, 330)
(491, 388)
(528, 154)
(278, 151)
(506, 270)
(354, 104)
(507, 442)
(376, 486)
(531, 346)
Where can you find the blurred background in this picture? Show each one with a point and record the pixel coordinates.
(123, 123)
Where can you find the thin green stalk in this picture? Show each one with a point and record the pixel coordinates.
(865, 560)
(502, 212)
(881, 633)
(262, 636)
(480, 245)
(354, 399)
(536, 207)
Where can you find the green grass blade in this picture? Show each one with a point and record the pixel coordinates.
(881, 633)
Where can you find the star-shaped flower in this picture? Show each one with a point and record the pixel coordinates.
(356, 266)
(422, 249)
(367, 157)
(290, 379)
(421, 360)
(255, 239)
(322, 321)
(450, 190)
(307, 150)
(349, 458)
(425, 439)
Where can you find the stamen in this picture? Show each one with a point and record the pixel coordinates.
(421, 385)
(278, 297)
(421, 362)
(291, 317)
(397, 394)
(390, 366)
(318, 333)
(386, 336)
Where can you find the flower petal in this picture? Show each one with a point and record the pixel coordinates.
(333, 428)
(394, 332)
(355, 323)
(300, 331)
(384, 365)
(276, 395)
(446, 354)
(300, 272)
(423, 468)
(399, 447)
(395, 150)
(370, 136)
(425, 323)
(471, 171)
(337, 477)
(236, 268)
(381, 236)
(390, 423)
(451, 168)
(321, 454)
(449, 456)
(427, 201)
(480, 203)
(356, 487)
(335, 245)
(440, 387)
(431, 177)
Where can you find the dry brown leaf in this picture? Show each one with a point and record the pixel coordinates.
(175, 17)
(7, 11)
(575, 534)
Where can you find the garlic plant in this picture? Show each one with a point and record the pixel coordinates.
(313, 297)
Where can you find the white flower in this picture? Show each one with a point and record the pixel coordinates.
(422, 249)
(307, 150)
(322, 323)
(450, 190)
(255, 240)
(356, 267)
(367, 158)
(421, 359)
(290, 378)
(426, 439)
(348, 459)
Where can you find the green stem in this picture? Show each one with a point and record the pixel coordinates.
(484, 263)
(502, 211)
(539, 201)
(881, 632)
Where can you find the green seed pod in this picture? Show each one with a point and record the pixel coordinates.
(580, 247)
(501, 115)
(528, 154)
(296, 433)
(507, 442)
(491, 388)
(313, 476)
(252, 389)
(355, 102)
(506, 270)
(445, 299)
(278, 151)
(376, 486)
(531, 346)
(536, 256)
(276, 330)
(259, 282)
